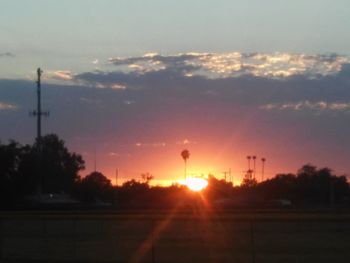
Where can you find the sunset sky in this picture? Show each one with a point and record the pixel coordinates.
(136, 82)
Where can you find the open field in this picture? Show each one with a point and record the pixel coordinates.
(237, 236)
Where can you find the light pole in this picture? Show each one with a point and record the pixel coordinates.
(254, 159)
(249, 170)
(263, 168)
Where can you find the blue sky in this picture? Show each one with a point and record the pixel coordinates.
(222, 78)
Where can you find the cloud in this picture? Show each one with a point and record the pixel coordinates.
(166, 70)
(154, 62)
(118, 86)
(7, 106)
(233, 64)
(7, 55)
(186, 142)
(234, 102)
(129, 102)
(152, 145)
(113, 154)
(307, 105)
(60, 75)
(285, 88)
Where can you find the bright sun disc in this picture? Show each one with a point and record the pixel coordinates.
(196, 184)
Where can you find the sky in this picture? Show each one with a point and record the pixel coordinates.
(131, 84)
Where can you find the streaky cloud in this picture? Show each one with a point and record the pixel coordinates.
(309, 105)
(234, 64)
(7, 55)
(7, 106)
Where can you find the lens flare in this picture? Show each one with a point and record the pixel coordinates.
(195, 184)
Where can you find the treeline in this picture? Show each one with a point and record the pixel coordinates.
(308, 186)
(50, 168)
(28, 169)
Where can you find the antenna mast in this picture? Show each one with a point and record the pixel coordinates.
(38, 113)
(39, 72)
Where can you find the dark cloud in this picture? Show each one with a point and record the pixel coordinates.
(296, 115)
(235, 64)
(170, 60)
(7, 55)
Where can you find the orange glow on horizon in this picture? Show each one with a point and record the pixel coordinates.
(195, 184)
(167, 167)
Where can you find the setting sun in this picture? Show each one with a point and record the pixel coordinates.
(196, 184)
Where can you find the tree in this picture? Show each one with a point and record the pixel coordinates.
(59, 168)
(94, 187)
(248, 181)
(147, 177)
(185, 154)
(321, 185)
(309, 186)
(217, 189)
(10, 160)
(282, 186)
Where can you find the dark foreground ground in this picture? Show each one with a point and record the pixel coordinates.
(173, 236)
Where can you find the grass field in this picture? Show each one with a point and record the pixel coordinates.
(173, 236)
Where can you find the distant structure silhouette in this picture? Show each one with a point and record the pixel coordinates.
(254, 166)
(116, 176)
(38, 113)
(249, 158)
(229, 175)
(95, 159)
(185, 154)
(263, 160)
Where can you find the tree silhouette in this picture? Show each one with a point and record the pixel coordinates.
(94, 187)
(19, 176)
(60, 167)
(147, 177)
(308, 187)
(10, 180)
(185, 155)
(249, 180)
(217, 189)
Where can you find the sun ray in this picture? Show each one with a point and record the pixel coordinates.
(157, 229)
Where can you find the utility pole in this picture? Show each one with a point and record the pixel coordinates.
(38, 113)
(95, 161)
(249, 170)
(249, 158)
(225, 175)
(229, 175)
(116, 176)
(254, 159)
(263, 160)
